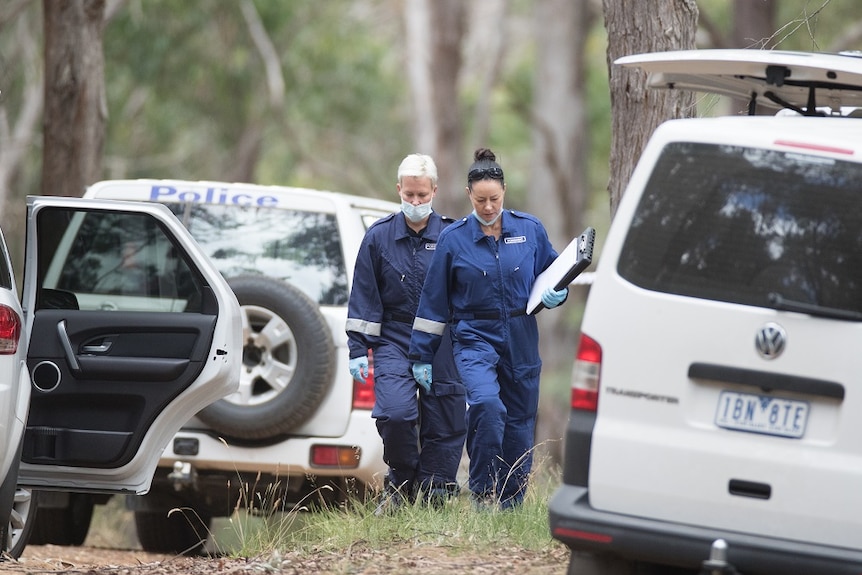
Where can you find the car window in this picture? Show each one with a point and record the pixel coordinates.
(735, 224)
(300, 247)
(112, 260)
(5, 271)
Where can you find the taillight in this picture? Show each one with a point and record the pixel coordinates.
(363, 393)
(337, 456)
(10, 330)
(585, 375)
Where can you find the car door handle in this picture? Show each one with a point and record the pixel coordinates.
(97, 348)
(67, 347)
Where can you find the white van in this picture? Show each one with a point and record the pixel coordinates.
(715, 403)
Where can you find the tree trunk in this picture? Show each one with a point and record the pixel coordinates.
(16, 139)
(558, 178)
(753, 27)
(75, 102)
(636, 27)
(447, 26)
(435, 29)
(753, 23)
(558, 174)
(492, 48)
(417, 24)
(19, 132)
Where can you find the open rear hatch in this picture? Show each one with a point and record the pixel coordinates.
(799, 81)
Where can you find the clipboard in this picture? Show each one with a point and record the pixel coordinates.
(577, 256)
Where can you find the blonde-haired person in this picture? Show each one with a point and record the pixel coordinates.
(479, 282)
(423, 433)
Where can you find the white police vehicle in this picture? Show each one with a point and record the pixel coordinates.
(91, 394)
(715, 393)
(298, 430)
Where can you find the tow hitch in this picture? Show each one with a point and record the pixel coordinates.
(717, 563)
(183, 475)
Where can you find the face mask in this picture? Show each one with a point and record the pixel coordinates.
(488, 222)
(415, 213)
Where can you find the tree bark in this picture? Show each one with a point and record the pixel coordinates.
(753, 23)
(493, 49)
(636, 27)
(447, 27)
(558, 173)
(75, 101)
(559, 125)
(16, 139)
(435, 29)
(753, 27)
(417, 23)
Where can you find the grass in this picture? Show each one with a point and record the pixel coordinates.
(350, 540)
(457, 526)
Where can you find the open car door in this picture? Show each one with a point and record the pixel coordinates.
(131, 332)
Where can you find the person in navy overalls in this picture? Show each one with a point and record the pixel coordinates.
(423, 435)
(480, 279)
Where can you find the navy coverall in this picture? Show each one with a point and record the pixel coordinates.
(483, 284)
(422, 440)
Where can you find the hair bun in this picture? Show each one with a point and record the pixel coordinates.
(484, 154)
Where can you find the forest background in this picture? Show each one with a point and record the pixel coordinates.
(332, 94)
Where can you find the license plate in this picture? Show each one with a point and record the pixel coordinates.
(762, 414)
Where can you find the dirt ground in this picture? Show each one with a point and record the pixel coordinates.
(358, 560)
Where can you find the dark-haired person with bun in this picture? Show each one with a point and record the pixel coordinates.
(480, 278)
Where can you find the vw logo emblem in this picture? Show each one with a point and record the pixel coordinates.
(770, 341)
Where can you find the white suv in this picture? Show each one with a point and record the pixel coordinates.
(91, 394)
(299, 430)
(715, 403)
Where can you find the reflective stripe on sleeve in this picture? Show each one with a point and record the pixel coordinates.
(362, 326)
(428, 326)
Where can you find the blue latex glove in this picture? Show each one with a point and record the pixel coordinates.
(422, 375)
(553, 298)
(359, 368)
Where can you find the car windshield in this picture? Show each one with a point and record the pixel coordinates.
(300, 247)
(750, 226)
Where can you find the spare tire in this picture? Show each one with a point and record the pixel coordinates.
(288, 362)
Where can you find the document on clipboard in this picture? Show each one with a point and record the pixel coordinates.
(572, 261)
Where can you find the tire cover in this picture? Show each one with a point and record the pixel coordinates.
(288, 362)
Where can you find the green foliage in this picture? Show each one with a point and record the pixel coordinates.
(184, 90)
(809, 25)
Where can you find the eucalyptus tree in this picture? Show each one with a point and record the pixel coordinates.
(635, 27)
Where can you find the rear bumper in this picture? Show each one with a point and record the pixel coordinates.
(289, 457)
(583, 528)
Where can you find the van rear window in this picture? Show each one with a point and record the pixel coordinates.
(737, 224)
